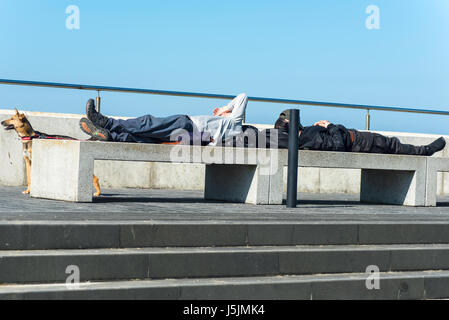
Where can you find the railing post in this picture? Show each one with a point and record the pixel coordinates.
(293, 147)
(98, 104)
(367, 120)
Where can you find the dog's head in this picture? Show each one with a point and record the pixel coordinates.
(18, 122)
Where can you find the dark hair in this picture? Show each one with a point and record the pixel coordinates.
(281, 124)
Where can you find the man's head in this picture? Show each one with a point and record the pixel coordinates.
(283, 121)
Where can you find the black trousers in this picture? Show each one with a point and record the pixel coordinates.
(377, 143)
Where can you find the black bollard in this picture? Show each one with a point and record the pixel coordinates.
(293, 146)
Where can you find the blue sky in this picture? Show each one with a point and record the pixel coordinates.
(307, 50)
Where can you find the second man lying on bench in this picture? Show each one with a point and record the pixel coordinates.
(327, 136)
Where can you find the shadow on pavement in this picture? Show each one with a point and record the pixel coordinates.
(110, 198)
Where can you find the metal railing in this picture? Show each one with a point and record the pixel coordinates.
(99, 89)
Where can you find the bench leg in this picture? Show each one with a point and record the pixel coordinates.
(393, 187)
(276, 179)
(431, 185)
(58, 172)
(236, 183)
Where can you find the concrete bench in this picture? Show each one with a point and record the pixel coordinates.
(388, 179)
(63, 170)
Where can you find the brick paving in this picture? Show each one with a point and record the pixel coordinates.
(171, 205)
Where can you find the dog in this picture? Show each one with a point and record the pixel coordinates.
(22, 126)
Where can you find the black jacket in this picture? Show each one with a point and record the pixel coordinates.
(332, 138)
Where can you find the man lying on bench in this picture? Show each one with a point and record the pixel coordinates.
(210, 130)
(326, 136)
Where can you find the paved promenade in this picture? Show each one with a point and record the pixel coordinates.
(170, 205)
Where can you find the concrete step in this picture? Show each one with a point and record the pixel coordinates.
(20, 235)
(50, 266)
(392, 285)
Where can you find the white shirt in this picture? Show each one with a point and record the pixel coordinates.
(223, 127)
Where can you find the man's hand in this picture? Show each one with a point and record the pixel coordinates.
(221, 112)
(322, 123)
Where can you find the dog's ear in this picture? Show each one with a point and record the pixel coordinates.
(17, 111)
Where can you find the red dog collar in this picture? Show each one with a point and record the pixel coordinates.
(29, 138)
